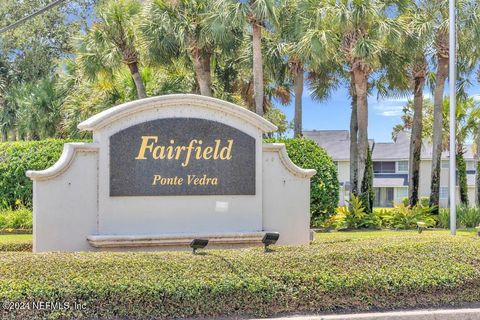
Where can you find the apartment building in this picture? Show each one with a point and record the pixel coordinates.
(390, 166)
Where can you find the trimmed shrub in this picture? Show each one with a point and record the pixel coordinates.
(324, 188)
(18, 157)
(332, 275)
(24, 246)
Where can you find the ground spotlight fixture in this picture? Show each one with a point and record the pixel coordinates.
(421, 226)
(198, 244)
(270, 238)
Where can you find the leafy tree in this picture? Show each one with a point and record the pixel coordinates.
(278, 118)
(29, 53)
(32, 49)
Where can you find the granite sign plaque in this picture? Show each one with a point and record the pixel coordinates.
(181, 156)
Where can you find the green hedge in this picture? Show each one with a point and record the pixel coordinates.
(396, 271)
(18, 157)
(19, 219)
(16, 246)
(324, 190)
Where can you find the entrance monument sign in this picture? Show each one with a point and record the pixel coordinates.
(164, 170)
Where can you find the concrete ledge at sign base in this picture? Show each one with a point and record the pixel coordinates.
(177, 241)
(429, 314)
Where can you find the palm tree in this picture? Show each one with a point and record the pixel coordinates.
(113, 41)
(442, 57)
(467, 122)
(419, 30)
(257, 15)
(290, 33)
(185, 27)
(468, 29)
(355, 34)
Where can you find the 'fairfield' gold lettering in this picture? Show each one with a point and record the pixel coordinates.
(145, 146)
(195, 149)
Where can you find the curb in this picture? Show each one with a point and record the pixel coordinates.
(432, 314)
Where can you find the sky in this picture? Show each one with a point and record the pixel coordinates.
(334, 114)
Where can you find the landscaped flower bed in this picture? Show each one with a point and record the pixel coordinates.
(354, 271)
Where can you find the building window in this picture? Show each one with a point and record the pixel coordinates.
(402, 166)
(402, 192)
(470, 165)
(443, 192)
(384, 166)
(445, 164)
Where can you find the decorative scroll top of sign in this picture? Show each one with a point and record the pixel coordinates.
(128, 109)
(181, 156)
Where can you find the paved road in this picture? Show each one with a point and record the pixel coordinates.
(444, 314)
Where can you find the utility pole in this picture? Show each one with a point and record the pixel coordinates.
(453, 99)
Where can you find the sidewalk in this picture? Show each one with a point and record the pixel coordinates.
(429, 314)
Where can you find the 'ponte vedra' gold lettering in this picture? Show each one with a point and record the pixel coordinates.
(149, 147)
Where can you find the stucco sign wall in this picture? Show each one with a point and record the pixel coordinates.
(164, 170)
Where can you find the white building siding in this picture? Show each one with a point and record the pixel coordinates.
(336, 143)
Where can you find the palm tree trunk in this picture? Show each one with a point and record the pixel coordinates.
(416, 138)
(202, 72)
(257, 68)
(442, 73)
(13, 135)
(353, 141)
(4, 136)
(361, 88)
(137, 79)
(298, 84)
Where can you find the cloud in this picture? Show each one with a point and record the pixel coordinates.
(389, 110)
(393, 107)
(476, 97)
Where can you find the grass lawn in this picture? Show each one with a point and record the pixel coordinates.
(340, 271)
(15, 242)
(358, 235)
(9, 238)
